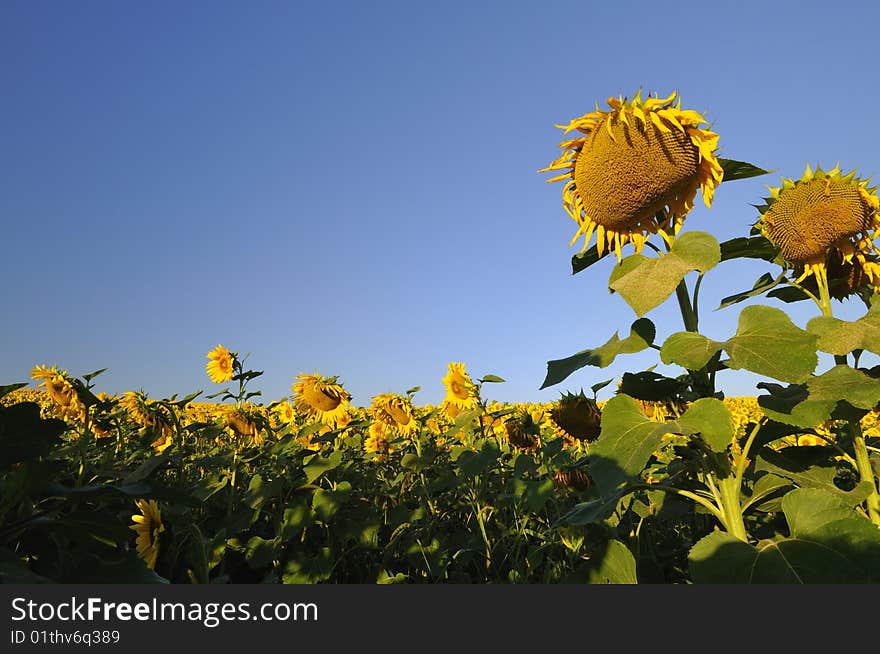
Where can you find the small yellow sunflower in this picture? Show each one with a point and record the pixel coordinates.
(461, 392)
(396, 413)
(321, 398)
(221, 364)
(61, 389)
(148, 526)
(824, 225)
(636, 170)
(378, 441)
(284, 413)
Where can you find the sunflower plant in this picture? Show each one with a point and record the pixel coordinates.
(777, 512)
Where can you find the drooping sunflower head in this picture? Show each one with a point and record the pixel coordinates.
(521, 430)
(635, 170)
(148, 525)
(60, 387)
(221, 364)
(321, 398)
(248, 422)
(461, 391)
(577, 417)
(824, 225)
(395, 412)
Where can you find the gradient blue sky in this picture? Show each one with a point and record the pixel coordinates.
(352, 188)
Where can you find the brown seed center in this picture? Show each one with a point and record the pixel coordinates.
(810, 217)
(627, 179)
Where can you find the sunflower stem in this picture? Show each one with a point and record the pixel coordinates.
(866, 472)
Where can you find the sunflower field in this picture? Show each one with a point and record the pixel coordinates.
(668, 481)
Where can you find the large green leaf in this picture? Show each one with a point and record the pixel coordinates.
(24, 435)
(768, 343)
(616, 565)
(844, 550)
(845, 383)
(626, 442)
(641, 336)
(791, 405)
(712, 420)
(646, 283)
(841, 337)
(809, 467)
(689, 349)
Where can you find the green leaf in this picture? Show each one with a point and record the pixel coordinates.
(720, 558)
(734, 170)
(616, 565)
(689, 349)
(768, 343)
(642, 333)
(90, 376)
(809, 509)
(651, 386)
(840, 337)
(24, 435)
(260, 553)
(712, 419)
(295, 519)
(309, 569)
(492, 378)
(745, 247)
(592, 511)
(791, 405)
(13, 571)
(147, 468)
(327, 502)
(626, 442)
(764, 283)
(845, 383)
(646, 283)
(584, 260)
(811, 466)
(320, 465)
(767, 485)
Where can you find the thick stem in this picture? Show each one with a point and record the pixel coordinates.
(729, 488)
(866, 473)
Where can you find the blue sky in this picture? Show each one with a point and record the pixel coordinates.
(352, 188)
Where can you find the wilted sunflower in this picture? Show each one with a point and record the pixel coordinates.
(221, 364)
(636, 170)
(461, 392)
(824, 226)
(321, 398)
(521, 430)
(148, 527)
(395, 412)
(61, 389)
(247, 422)
(577, 417)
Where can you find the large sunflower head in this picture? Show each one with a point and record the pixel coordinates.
(635, 170)
(148, 525)
(824, 226)
(395, 412)
(461, 391)
(221, 364)
(321, 398)
(521, 430)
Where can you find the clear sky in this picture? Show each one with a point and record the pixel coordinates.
(352, 187)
